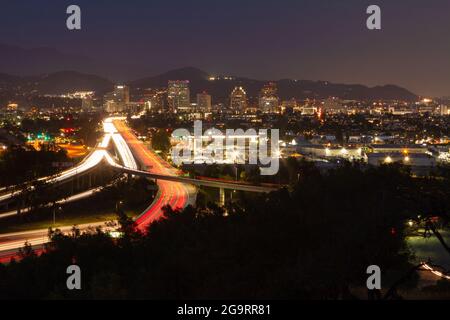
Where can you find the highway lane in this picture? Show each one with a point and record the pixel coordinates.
(170, 193)
(11, 242)
(71, 199)
(90, 162)
(124, 152)
(206, 182)
(175, 194)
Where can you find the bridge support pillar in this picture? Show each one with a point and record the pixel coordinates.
(222, 197)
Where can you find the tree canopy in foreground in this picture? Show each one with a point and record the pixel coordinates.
(314, 241)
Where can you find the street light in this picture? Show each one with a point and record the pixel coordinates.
(119, 205)
(54, 214)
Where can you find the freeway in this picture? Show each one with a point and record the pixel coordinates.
(90, 162)
(11, 242)
(214, 183)
(147, 159)
(175, 194)
(174, 190)
(121, 146)
(71, 199)
(170, 193)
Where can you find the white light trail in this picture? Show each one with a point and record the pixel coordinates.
(435, 272)
(94, 159)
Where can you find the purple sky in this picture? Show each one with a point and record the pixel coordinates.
(299, 39)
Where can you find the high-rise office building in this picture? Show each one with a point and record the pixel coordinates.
(268, 98)
(204, 102)
(238, 100)
(117, 100)
(178, 96)
(269, 90)
(155, 99)
(122, 94)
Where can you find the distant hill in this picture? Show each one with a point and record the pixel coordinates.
(57, 83)
(37, 61)
(7, 80)
(299, 89)
(69, 81)
(192, 74)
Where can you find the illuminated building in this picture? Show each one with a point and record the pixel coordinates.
(238, 100)
(12, 107)
(390, 148)
(204, 102)
(414, 160)
(178, 96)
(444, 110)
(154, 99)
(400, 110)
(333, 106)
(268, 98)
(288, 106)
(308, 110)
(316, 151)
(117, 100)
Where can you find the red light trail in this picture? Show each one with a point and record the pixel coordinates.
(170, 193)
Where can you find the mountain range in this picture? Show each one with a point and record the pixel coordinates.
(45, 64)
(56, 83)
(287, 88)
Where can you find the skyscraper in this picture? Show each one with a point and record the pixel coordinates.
(238, 100)
(117, 100)
(268, 98)
(269, 90)
(204, 102)
(178, 96)
(155, 99)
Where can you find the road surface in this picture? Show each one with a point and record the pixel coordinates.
(77, 197)
(174, 191)
(90, 162)
(11, 242)
(170, 193)
(175, 194)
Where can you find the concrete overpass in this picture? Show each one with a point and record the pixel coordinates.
(221, 184)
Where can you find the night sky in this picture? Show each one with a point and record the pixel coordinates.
(263, 39)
